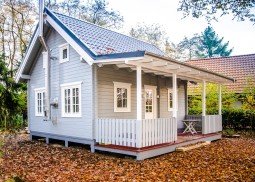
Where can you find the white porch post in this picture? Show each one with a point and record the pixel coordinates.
(204, 128)
(204, 98)
(139, 106)
(175, 100)
(139, 92)
(175, 95)
(220, 99)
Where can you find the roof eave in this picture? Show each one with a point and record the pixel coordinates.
(188, 65)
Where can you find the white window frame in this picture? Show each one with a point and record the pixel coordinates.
(37, 91)
(170, 90)
(128, 87)
(70, 86)
(61, 48)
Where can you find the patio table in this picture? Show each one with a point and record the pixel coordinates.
(190, 125)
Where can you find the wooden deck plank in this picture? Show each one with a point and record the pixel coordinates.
(156, 150)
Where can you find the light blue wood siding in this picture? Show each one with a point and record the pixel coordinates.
(107, 75)
(68, 72)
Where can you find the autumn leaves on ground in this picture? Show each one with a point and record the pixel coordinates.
(223, 160)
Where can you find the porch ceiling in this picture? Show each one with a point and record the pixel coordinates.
(164, 66)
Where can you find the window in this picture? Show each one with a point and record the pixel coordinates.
(64, 53)
(122, 97)
(170, 99)
(71, 99)
(39, 101)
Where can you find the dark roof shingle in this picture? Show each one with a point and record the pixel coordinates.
(240, 67)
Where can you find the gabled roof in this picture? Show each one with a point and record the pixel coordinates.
(101, 41)
(240, 68)
(97, 45)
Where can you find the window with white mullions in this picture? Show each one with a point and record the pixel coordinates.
(149, 101)
(170, 99)
(39, 101)
(71, 99)
(122, 97)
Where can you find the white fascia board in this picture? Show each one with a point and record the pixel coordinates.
(69, 39)
(24, 62)
(118, 60)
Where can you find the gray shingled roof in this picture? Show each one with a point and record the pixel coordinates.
(102, 41)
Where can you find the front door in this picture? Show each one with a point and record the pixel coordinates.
(150, 102)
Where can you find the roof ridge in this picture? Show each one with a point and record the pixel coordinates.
(223, 57)
(85, 21)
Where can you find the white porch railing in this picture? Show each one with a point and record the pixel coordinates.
(136, 133)
(211, 124)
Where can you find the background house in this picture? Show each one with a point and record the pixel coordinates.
(241, 68)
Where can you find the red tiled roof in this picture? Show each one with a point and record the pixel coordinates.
(240, 68)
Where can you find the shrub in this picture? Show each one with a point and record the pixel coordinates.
(238, 119)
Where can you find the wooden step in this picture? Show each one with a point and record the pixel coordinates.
(193, 146)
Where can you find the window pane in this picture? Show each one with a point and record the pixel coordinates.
(119, 102)
(124, 102)
(64, 53)
(68, 100)
(124, 93)
(77, 99)
(170, 100)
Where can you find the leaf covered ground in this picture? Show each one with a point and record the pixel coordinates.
(223, 160)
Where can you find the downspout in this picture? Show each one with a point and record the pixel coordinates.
(47, 110)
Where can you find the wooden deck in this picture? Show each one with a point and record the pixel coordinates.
(152, 151)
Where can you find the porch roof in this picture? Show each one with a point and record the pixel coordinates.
(165, 66)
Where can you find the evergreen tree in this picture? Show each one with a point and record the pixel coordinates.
(210, 45)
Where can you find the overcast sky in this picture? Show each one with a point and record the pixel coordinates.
(241, 35)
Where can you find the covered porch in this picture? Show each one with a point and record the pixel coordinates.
(149, 130)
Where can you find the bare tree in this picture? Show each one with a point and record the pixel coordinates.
(16, 26)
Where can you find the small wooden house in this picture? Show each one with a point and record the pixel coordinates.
(91, 85)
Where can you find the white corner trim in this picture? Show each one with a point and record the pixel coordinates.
(76, 47)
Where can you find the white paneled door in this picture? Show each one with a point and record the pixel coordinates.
(150, 102)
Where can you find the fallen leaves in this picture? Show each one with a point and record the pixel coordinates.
(224, 160)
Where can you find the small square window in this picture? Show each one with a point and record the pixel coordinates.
(64, 53)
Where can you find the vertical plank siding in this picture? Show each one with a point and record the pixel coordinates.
(211, 124)
(136, 133)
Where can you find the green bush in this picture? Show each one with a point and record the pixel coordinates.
(238, 119)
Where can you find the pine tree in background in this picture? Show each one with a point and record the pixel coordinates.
(210, 45)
